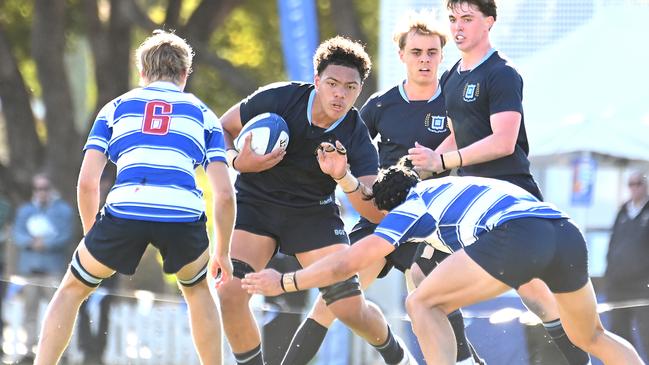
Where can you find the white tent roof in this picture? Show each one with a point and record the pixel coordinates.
(590, 91)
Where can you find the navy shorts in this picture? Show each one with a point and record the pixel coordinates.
(120, 243)
(401, 258)
(519, 250)
(427, 260)
(296, 230)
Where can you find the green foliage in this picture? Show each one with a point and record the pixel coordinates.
(249, 39)
(16, 20)
(368, 14)
(208, 86)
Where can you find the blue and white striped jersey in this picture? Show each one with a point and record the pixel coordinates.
(451, 212)
(157, 136)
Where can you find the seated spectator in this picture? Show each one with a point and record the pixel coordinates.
(42, 233)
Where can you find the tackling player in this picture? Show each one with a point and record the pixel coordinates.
(500, 237)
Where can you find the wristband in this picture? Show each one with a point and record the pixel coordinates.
(230, 155)
(348, 183)
(288, 282)
(441, 157)
(281, 283)
(451, 160)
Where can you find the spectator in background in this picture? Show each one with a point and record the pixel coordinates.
(42, 232)
(627, 272)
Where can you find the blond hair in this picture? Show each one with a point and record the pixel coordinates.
(418, 22)
(164, 57)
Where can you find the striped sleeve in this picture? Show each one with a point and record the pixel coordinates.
(100, 133)
(408, 221)
(214, 142)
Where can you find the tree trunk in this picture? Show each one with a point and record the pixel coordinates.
(24, 147)
(345, 19)
(63, 145)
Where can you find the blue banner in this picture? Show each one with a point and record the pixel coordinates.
(583, 180)
(298, 24)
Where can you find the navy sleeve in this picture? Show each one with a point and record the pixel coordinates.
(362, 157)
(505, 90)
(264, 100)
(368, 114)
(443, 78)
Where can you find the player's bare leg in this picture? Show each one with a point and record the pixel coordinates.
(309, 337)
(442, 292)
(204, 320)
(321, 314)
(583, 326)
(538, 298)
(364, 318)
(239, 322)
(62, 311)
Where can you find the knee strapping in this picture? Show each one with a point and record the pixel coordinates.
(344, 289)
(82, 274)
(202, 274)
(241, 268)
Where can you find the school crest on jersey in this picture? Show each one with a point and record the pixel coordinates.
(471, 92)
(435, 123)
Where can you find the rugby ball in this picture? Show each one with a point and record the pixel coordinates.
(269, 132)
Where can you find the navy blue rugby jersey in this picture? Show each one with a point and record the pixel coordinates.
(297, 180)
(472, 97)
(452, 212)
(401, 122)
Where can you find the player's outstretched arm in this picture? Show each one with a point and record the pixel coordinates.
(330, 269)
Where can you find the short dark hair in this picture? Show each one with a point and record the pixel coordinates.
(486, 7)
(342, 51)
(393, 184)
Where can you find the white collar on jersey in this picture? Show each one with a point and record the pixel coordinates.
(309, 109)
(491, 51)
(167, 85)
(402, 91)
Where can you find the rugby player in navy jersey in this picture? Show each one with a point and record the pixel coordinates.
(500, 237)
(483, 94)
(412, 111)
(285, 199)
(157, 135)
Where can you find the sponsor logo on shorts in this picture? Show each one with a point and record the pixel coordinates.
(339, 232)
(329, 200)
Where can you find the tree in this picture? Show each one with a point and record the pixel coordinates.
(237, 49)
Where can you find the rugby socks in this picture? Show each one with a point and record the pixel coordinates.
(572, 353)
(463, 347)
(305, 343)
(390, 350)
(252, 357)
